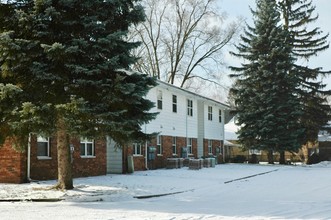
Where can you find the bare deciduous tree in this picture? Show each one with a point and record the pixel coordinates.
(182, 41)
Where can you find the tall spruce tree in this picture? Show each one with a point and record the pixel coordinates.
(307, 42)
(265, 90)
(63, 71)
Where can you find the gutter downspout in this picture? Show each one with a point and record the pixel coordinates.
(223, 133)
(186, 131)
(146, 145)
(29, 159)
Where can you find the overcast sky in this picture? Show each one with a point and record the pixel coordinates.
(236, 8)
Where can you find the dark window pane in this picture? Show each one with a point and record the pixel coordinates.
(42, 149)
(82, 149)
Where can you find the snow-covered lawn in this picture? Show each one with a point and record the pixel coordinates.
(223, 192)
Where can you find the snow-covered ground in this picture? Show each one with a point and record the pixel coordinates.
(223, 192)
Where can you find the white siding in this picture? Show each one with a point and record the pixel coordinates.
(214, 128)
(168, 122)
(178, 123)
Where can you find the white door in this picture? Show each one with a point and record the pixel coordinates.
(114, 157)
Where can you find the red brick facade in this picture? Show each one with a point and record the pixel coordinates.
(13, 165)
(167, 152)
(215, 147)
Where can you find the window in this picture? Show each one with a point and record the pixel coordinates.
(159, 99)
(189, 145)
(210, 147)
(174, 145)
(137, 149)
(210, 113)
(43, 147)
(86, 148)
(174, 103)
(220, 115)
(158, 144)
(255, 151)
(189, 107)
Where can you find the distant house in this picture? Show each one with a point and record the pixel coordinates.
(235, 151)
(324, 146)
(188, 125)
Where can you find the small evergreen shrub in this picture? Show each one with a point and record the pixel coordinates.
(239, 159)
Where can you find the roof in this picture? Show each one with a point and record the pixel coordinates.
(230, 130)
(193, 94)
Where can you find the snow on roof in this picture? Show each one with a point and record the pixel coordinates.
(230, 130)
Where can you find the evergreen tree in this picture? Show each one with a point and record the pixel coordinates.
(64, 71)
(307, 42)
(265, 91)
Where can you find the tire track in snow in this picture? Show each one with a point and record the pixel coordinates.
(251, 176)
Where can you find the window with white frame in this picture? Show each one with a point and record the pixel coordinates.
(210, 147)
(43, 146)
(174, 103)
(255, 151)
(137, 149)
(210, 113)
(159, 99)
(189, 146)
(87, 148)
(174, 145)
(190, 107)
(159, 144)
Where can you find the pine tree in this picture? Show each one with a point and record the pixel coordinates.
(64, 71)
(307, 42)
(265, 91)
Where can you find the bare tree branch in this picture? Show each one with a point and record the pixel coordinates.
(182, 37)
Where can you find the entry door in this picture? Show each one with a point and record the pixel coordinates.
(114, 157)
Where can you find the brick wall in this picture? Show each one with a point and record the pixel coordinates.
(215, 144)
(12, 164)
(43, 169)
(95, 166)
(160, 159)
(138, 160)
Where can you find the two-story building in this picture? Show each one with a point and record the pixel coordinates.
(188, 125)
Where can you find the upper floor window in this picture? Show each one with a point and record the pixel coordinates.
(86, 148)
(174, 103)
(137, 149)
(43, 147)
(210, 113)
(189, 107)
(159, 99)
(220, 115)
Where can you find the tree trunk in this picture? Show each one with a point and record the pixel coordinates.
(270, 157)
(63, 157)
(282, 157)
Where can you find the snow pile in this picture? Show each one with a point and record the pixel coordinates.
(229, 191)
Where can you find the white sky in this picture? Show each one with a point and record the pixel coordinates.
(236, 8)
